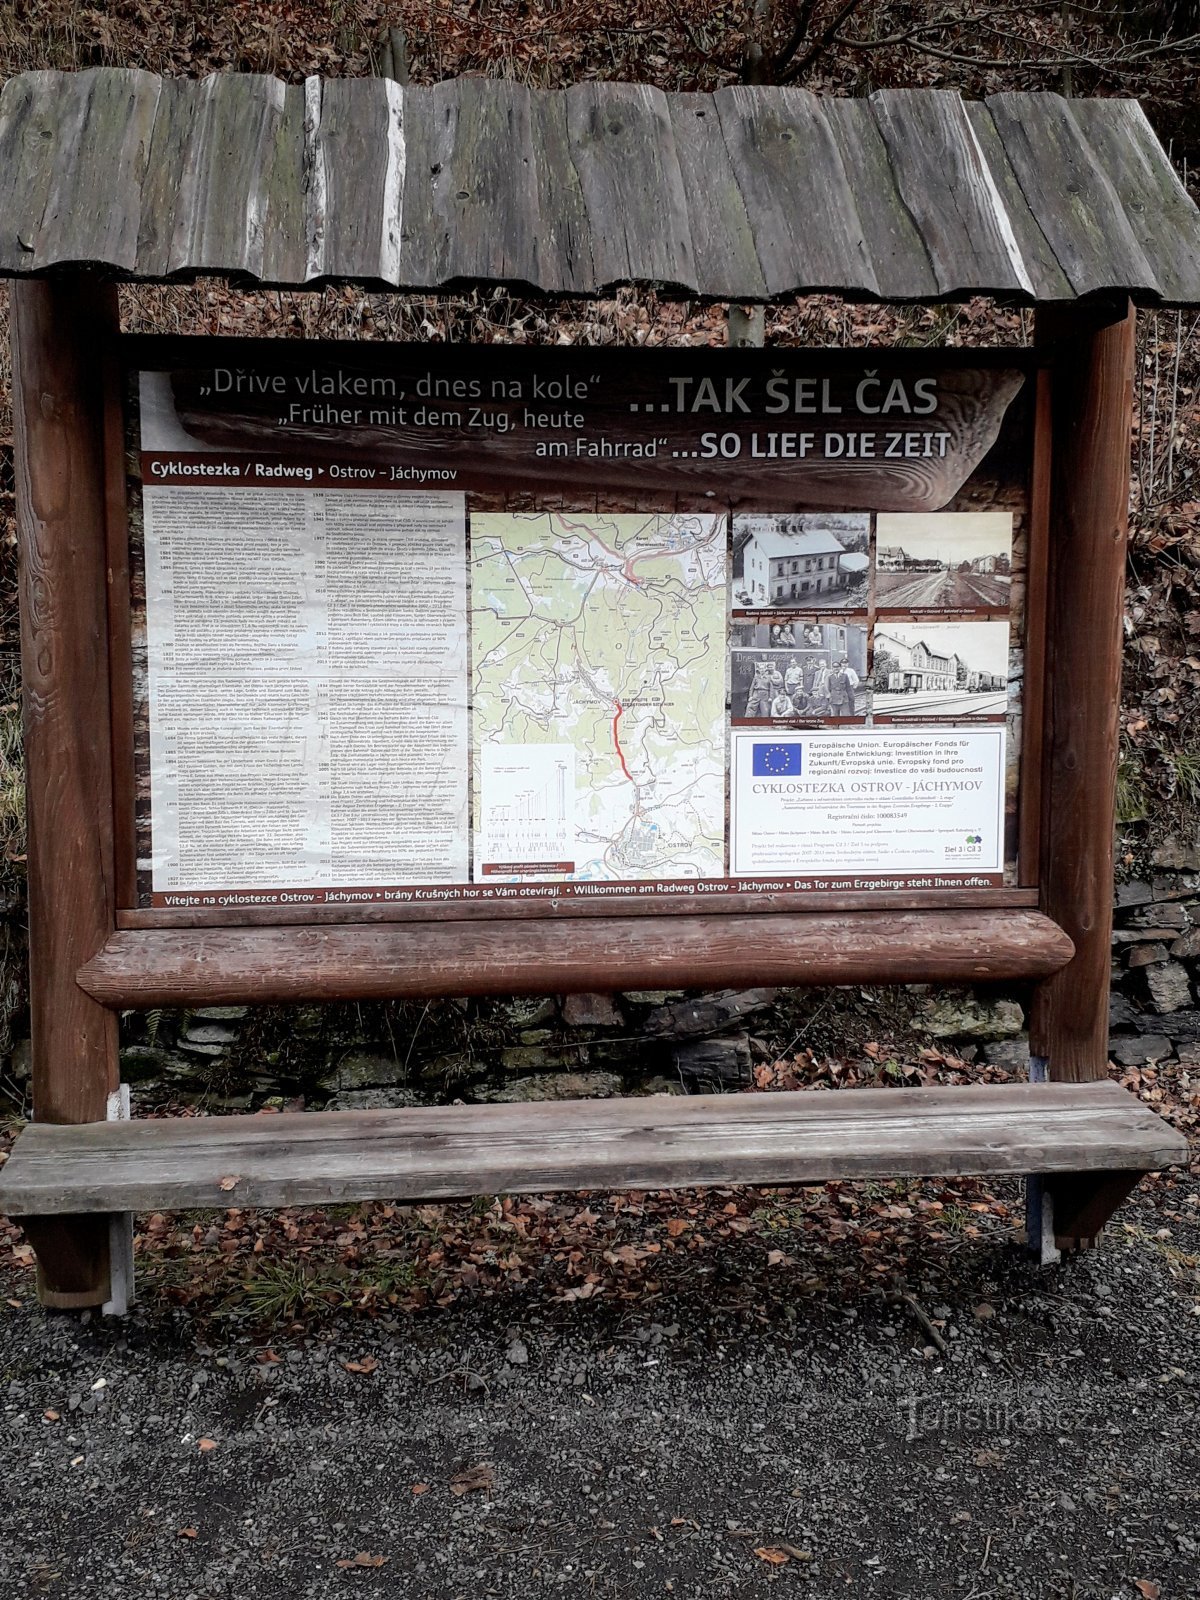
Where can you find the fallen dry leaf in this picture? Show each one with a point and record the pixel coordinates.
(773, 1554)
(186, 1533)
(676, 1226)
(365, 1559)
(206, 1445)
(228, 1183)
(1146, 1588)
(366, 1365)
(472, 1479)
(420, 1488)
(50, 1416)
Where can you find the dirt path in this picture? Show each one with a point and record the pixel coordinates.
(694, 1445)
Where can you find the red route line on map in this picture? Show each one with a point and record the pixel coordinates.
(617, 742)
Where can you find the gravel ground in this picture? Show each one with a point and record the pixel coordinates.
(521, 1450)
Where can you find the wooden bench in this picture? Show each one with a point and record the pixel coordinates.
(451, 1152)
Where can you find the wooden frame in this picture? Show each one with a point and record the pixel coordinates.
(93, 951)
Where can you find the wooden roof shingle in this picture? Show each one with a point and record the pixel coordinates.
(746, 194)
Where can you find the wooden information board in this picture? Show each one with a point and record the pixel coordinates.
(495, 631)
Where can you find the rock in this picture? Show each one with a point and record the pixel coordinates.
(517, 1354)
(361, 1070)
(529, 1011)
(1137, 1049)
(660, 1085)
(142, 1061)
(197, 1048)
(1183, 1026)
(969, 1018)
(1125, 936)
(1169, 987)
(379, 1099)
(1187, 946)
(552, 1086)
(591, 1011)
(1176, 887)
(1135, 893)
(1177, 855)
(221, 1013)
(536, 1035)
(724, 1061)
(652, 997)
(21, 1061)
(1146, 955)
(630, 1055)
(449, 1068)
(543, 1058)
(709, 1012)
(1120, 1012)
(1170, 914)
(1010, 1053)
(209, 1033)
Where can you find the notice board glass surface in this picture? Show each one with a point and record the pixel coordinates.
(416, 627)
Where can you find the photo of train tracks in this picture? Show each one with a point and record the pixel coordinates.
(951, 561)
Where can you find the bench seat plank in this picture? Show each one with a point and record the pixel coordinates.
(451, 1152)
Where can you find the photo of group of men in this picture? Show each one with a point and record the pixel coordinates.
(789, 671)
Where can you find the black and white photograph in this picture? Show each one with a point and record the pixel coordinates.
(943, 561)
(923, 670)
(802, 561)
(818, 675)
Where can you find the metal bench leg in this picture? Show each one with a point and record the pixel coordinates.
(1039, 1222)
(120, 1230)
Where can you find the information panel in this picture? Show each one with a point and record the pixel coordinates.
(518, 625)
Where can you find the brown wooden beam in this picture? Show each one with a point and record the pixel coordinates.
(1083, 1203)
(166, 967)
(61, 334)
(1092, 412)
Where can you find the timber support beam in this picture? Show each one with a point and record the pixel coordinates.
(60, 337)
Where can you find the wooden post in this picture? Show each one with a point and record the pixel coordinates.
(1092, 415)
(61, 333)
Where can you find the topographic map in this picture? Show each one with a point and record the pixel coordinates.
(598, 645)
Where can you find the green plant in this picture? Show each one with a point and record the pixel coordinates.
(1131, 790)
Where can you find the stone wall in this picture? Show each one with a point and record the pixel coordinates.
(231, 1058)
(1156, 961)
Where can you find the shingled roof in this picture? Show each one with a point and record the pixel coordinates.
(746, 194)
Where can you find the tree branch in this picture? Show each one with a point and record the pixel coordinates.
(786, 73)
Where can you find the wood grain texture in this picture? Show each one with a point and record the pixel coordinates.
(62, 337)
(651, 905)
(743, 195)
(1033, 680)
(154, 967)
(973, 399)
(442, 1153)
(623, 148)
(948, 187)
(1093, 408)
(106, 121)
(727, 261)
(1072, 195)
(800, 199)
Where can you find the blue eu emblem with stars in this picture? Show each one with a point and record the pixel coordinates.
(777, 760)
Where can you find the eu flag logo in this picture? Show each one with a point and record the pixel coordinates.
(777, 760)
